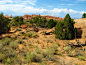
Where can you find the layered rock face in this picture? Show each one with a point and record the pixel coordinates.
(47, 17)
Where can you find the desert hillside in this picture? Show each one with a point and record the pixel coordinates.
(24, 46)
(80, 22)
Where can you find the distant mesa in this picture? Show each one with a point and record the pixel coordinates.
(26, 16)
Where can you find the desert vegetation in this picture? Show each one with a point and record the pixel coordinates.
(84, 15)
(38, 41)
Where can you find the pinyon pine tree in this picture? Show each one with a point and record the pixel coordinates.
(65, 30)
(4, 24)
(84, 15)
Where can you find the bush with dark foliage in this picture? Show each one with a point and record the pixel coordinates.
(17, 21)
(4, 24)
(84, 15)
(51, 23)
(65, 30)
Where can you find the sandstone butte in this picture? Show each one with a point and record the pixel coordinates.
(26, 16)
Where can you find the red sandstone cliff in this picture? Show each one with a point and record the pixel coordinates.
(6, 16)
(47, 17)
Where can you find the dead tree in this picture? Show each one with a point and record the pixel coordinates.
(78, 44)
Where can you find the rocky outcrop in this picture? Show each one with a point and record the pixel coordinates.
(80, 24)
(26, 16)
(6, 16)
(24, 26)
(11, 16)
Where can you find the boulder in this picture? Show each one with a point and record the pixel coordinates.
(24, 26)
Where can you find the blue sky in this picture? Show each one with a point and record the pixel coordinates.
(58, 8)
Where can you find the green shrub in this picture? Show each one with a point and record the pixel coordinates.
(59, 30)
(48, 40)
(34, 35)
(38, 51)
(38, 42)
(29, 34)
(7, 41)
(19, 40)
(68, 48)
(81, 57)
(55, 46)
(43, 63)
(32, 57)
(19, 29)
(1, 46)
(28, 30)
(4, 24)
(84, 15)
(22, 32)
(2, 56)
(42, 22)
(1, 41)
(51, 23)
(17, 21)
(8, 61)
(13, 44)
(50, 54)
(71, 53)
(65, 30)
(57, 43)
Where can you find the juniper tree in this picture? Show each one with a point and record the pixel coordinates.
(65, 30)
(51, 23)
(69, 27)
(4, 24)
(84, 15)
(59, 30)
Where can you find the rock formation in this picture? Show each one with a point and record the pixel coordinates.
(47, 17)
(27, 16)
(6, 16)
(11, 16)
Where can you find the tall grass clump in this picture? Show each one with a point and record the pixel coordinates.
(13, 44)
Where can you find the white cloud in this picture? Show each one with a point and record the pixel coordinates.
(72, 11)
(81, 0)
(33, 10)
(77, 1)
(69, 4)
(20, 7)
(6, 1)
(32, 2)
